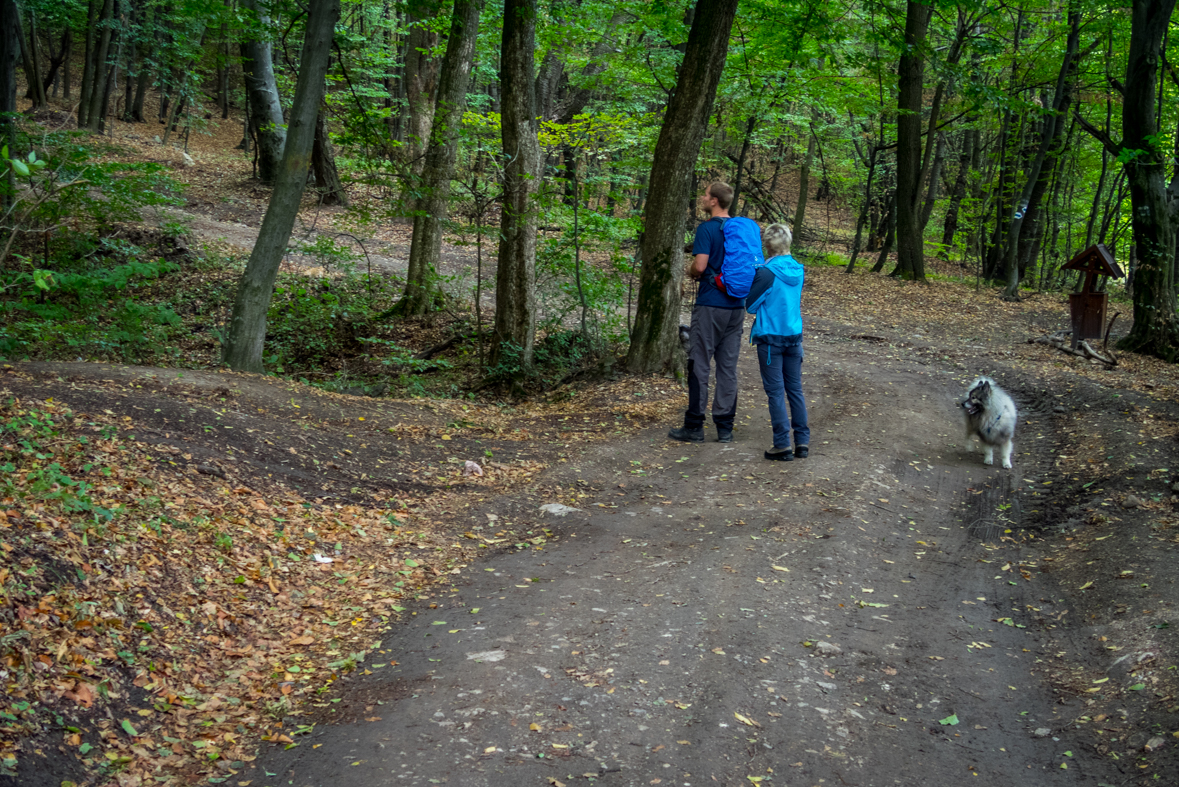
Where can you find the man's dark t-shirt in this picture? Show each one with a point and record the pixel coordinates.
(710, 240)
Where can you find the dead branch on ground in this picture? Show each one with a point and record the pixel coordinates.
(1062, 340)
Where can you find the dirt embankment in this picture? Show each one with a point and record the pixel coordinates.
(190, 556)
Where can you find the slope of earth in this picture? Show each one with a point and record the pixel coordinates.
(188, 556)
(710, 617)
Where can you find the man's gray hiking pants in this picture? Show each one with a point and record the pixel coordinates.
(715, 333)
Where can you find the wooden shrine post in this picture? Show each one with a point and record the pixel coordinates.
(1087, 307)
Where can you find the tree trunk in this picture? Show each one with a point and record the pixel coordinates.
(88, 61)
(804, 184)
(129, 70)
(935, 177)
(994, 253)
(1033, 189)
(421, 79)
(110, 86)
(1033, 220)
(745, 143)
(425, 248)
(143, 77)
(515, 278)
(37, 83)
(323, 164)
(950, 226)
(889, 222)
(141, 84)
(548, 81)
(223, 64)
(247, 327)
(26, 61)
(9, 55)
(262, 91)
(1154, 212)
(56, 60)
(395, 80)
(863, 219)
(910, 84)
(654, 341)
(100, 68)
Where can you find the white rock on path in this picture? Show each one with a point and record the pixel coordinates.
(557, 509)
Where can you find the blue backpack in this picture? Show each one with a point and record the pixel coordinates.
(742, 256)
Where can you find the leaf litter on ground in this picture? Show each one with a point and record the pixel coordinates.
(164, 622)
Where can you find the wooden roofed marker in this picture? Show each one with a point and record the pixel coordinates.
(1087, 307)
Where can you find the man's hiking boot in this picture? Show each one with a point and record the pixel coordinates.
(724, 435)
(802, 451)
(686, 435)
(780, 454)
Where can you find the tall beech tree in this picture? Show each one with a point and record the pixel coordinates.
(421, 78)
(515, 277)
(654, 340)
(426, 245)
(92, 103)
(1153, 184)
(265, 114)
(247, 326)
(910, 88)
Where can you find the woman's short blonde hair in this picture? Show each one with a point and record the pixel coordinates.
(777, 239)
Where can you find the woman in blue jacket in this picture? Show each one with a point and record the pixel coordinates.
(775, 301)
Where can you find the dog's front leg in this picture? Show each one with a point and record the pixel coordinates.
(1008, 447)
(988, 455)
(971, 442)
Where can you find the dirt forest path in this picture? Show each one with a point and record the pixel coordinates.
(384, 256)
(713, 618)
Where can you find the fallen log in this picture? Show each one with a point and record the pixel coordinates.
(1062, 340)
(426, 355)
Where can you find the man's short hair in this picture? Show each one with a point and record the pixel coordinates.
(723, 193)
(777, 239)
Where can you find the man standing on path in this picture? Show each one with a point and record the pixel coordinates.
(717, 322)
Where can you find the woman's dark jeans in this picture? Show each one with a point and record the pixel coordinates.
(781, 376)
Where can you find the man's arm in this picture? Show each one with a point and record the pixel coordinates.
(698, 266)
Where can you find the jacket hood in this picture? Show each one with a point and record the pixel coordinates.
(786, 268)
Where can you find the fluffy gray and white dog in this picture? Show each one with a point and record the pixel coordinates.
(990, 418)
